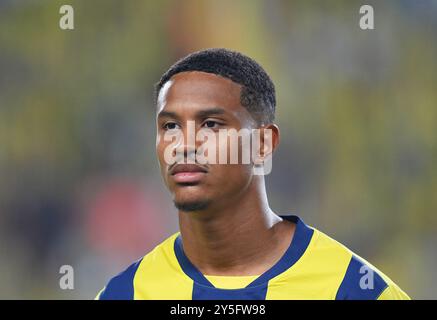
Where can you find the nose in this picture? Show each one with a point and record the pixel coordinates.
(185, 153)
(185, 150)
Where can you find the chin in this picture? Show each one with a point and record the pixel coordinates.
(191, 205)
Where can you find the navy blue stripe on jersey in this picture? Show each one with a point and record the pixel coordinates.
(121, 287)
(187, 266)
(360, 282)
(201, 292)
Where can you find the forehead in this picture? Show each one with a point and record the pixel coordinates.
(195, 89)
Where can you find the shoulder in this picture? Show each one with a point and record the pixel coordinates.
(360, 280)
(363, 281)
(121, 286)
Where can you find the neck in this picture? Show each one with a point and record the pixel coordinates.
(245, 237)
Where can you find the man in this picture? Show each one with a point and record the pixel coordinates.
(231, 245)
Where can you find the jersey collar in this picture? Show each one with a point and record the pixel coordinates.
(301, 239)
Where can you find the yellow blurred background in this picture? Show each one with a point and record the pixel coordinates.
(79, 181)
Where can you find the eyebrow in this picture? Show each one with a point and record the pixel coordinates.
(199, 114)
(168, 114)
(209, 112)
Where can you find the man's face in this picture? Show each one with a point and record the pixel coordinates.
(209, 102)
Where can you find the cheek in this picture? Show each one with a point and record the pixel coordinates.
(160, 147)
(161, 144)
(230, 178)
(234, 150)
(159, 153)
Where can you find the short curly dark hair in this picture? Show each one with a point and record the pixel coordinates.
(258, 91)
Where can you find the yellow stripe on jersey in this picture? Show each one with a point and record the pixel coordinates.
(393, 292)
(160, 277)
(314, 267)
(317, 275)
(234, 282)
(98, 295)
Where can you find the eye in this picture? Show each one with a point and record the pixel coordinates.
(211, 124)
(170, 126)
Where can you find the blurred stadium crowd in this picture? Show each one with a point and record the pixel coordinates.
(79, 181)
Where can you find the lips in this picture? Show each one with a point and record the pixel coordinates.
(187, 173)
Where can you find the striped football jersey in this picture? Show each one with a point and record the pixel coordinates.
(313, 267)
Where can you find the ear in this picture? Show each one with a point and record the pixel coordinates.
(267, 143)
